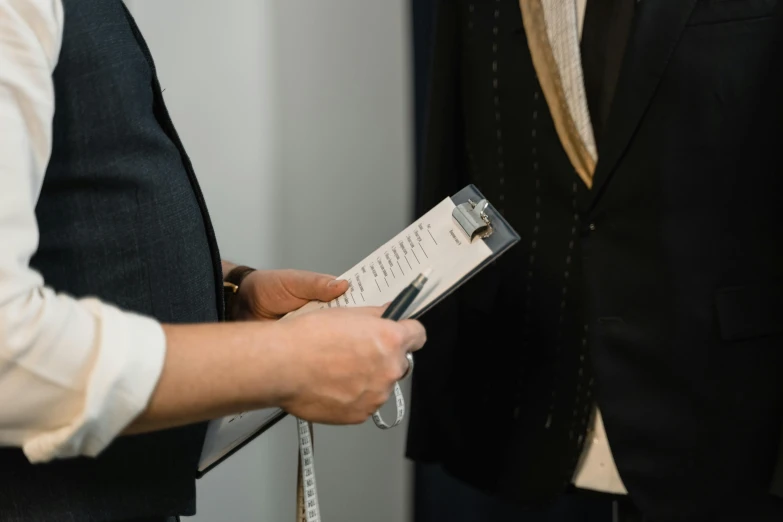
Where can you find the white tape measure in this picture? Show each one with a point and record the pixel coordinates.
(308, 509)
(307, 493)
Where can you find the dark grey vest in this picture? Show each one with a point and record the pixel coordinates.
(121, 217)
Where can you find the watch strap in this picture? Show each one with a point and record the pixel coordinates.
(231, 284)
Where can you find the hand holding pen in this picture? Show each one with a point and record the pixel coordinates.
(397, 308)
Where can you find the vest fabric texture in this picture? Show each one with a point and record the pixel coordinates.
(121, 217)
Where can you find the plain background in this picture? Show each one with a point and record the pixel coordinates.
(297, 115)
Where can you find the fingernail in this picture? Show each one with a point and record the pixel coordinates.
(333, 282)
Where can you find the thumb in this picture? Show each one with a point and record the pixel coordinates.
(331, 288)
(314, 286)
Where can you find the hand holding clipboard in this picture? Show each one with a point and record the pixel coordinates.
(456, 239)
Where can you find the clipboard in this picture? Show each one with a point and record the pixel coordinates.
(478, 220)
(472, 234)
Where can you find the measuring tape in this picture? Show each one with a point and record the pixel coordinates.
(306, 492)
(307, 507)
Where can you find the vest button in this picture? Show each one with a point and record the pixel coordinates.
(585, 229)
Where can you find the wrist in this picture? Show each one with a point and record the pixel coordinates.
(269, 364)
(226, 267)
(277, 362)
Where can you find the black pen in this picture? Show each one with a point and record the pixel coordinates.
(399, 306)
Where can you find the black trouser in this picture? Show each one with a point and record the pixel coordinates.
(440, 497)
(623, 509)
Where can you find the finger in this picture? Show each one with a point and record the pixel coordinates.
(407, 365)
(414, 335)
(404, 366)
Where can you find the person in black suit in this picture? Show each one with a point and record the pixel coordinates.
(649, 292)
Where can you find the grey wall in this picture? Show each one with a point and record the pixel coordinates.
(297, 116)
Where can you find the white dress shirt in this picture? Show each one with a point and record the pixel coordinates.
(73, 372)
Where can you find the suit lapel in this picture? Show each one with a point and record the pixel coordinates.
(657, 28)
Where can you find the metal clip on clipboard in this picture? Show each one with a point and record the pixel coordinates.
(473, 219)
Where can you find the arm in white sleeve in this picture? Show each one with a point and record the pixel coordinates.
(73, 373)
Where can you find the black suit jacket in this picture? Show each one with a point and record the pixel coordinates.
(657, 293)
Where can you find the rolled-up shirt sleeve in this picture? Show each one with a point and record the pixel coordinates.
(73, 372)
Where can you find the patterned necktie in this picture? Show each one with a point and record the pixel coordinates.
(552, 29)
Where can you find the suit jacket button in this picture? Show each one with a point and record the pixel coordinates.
(591, 226)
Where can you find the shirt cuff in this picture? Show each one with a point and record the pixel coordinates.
(128, 365)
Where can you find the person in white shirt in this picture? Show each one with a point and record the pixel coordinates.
(79, 373)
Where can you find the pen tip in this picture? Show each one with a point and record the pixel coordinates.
(426, 273)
